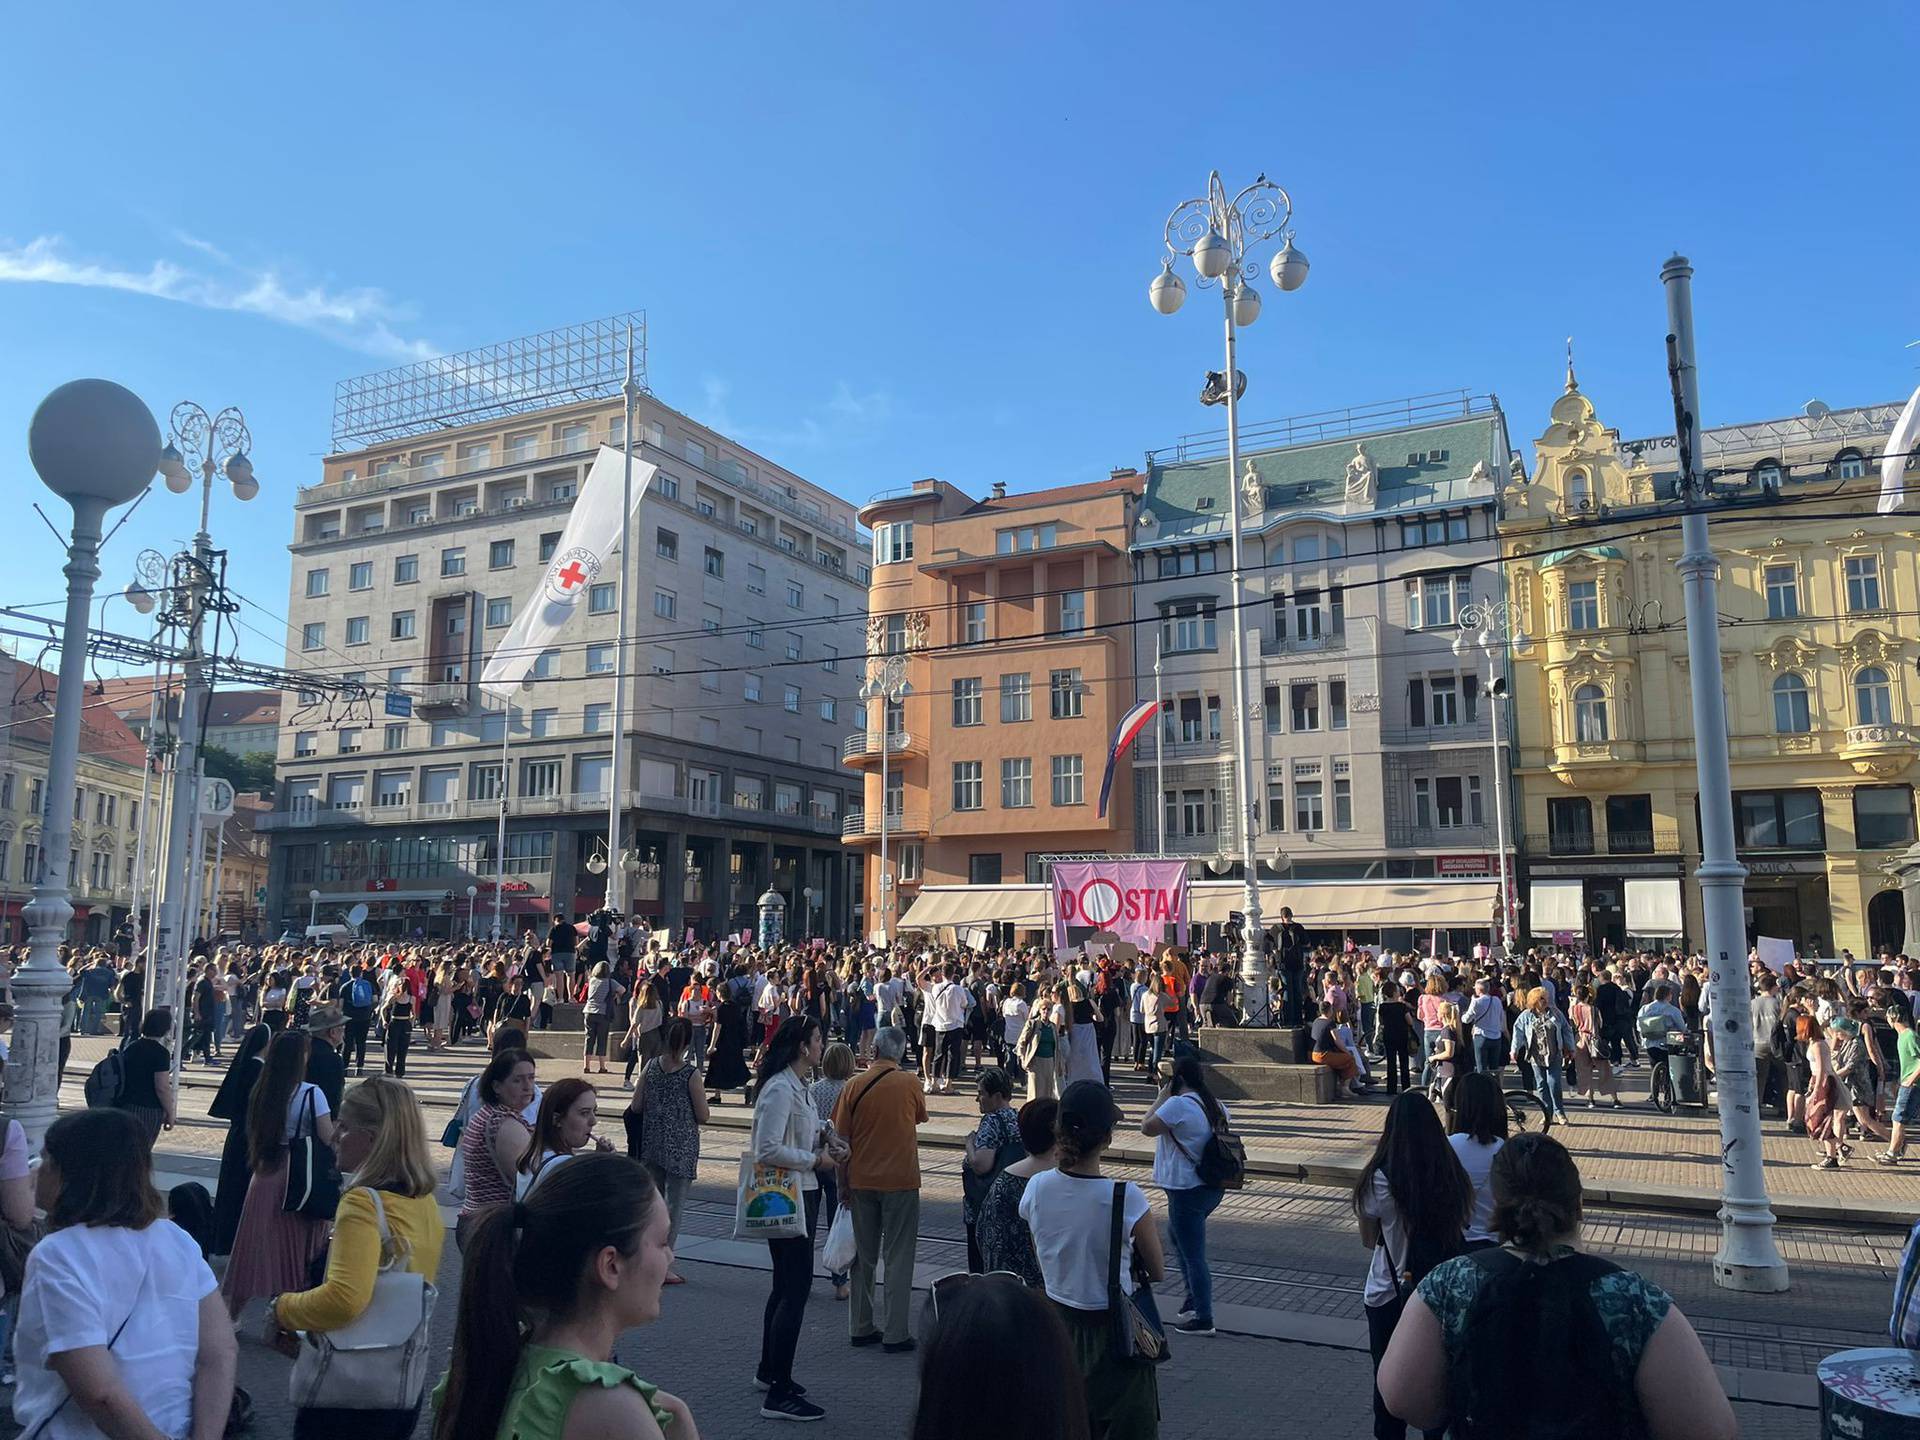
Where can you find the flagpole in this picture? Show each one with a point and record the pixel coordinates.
(1159, 750)
(616, 869)
(500, 833)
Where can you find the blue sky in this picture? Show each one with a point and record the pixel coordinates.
(879, 242)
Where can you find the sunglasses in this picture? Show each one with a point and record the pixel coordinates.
(952, 1284)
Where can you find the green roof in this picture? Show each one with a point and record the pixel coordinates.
(1591, 552)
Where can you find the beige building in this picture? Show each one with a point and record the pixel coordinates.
(1816, 598)
(242, 722)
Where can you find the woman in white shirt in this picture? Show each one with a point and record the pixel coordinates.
(1070, 1212)
(121, 1329)
(1013, 1016)
(1181, 1121)
(1479, 1130)
(274, 1247)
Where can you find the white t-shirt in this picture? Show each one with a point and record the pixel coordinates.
(947, 1005)
(81, 1283)
(1186, 1121)
(1477, 1160)
(297, 1107)
(1379, 1206)
(1013, 1011)
(1071, 1217)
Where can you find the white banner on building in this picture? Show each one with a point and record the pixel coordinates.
(1893, 459)
(586, 545)
(1555, 907)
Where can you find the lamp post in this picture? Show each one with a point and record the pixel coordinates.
(1748, 1258)
(313, 909)
(1491, 628)
(210, 444)
(806, 917)
(473, 898)
(1216, 233)
(96, 446)
(887, 682)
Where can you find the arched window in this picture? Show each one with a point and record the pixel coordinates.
(1579, 490)
(1590, 715)
(1872, 697)
(1791, 714)
(1851, 464)
(1767, 474)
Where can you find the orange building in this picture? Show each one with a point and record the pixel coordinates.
(1010, 619)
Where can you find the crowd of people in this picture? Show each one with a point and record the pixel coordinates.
(328, 1178)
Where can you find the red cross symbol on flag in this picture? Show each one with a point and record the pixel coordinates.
(571, 576)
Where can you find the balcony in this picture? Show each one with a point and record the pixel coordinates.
(1281, 646)
(1617, 843)
(1878, 751)
(859, 825)
(864, 745)
(442, 697)
(1477, 731)
(587, 802)
(1596, 764)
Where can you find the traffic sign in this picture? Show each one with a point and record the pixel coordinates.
(399, 706)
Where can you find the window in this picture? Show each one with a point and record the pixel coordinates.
(1196, 810)
(1882, 816)
(756, 637)
(793, 645)
(1066, 697)
(1851, 467)
(1779, 820)
(395, 737)
(664, 604)
(1336, 704)
(543, 664)
(750, 687)
(499, 612)
(601, 599)
(406, 569)
(499, 554)
(453, 561)
(549, 545)
(1016, 784)
(831, 660)
(399, 676)
(316, 584)
(349, 736)
(1863, 583)
(1304, 701)
(1434, 601)
(666, 484)
(966, 701)
(796, 594)
(666, 545)
(1590, 715)
(715, 563)
(1570, 826)
(1872, 697)
(975, 622)
(360, 575)
(696, 453)
(1025, 537)
(1583, 605)
(893, 543)
(710, 680)
(829, 709)
(1783, 593)
(544, 723)
(1187, 625)
(1579, 491)
(983, 869)
(597, 718)
(1791, 713)
(1174, 563)
(1308, 815)
(1073, 612)
(1630, 824)
(313, 635)
(1069, 780)
(790, 699)
(1433, 530)
(357, 630)
(539, 778)
(305, 743)
(756, 579)
(402, 626)
(710, 618)
(966, 785)
(1343, 804)
(456, 622)
(1016, 698)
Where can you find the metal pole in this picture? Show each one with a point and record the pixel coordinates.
(1255, 1000)
(170, 941)
(1159, 751)
(881, 884)
(142, 929)
(219, 865)
(1748, 1258)
(1499, 814)
(616, 872)
(500, 833)
(41, 984)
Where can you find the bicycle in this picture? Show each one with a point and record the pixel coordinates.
(1661, 1092)
(1524, 1109)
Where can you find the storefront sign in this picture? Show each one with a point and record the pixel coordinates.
(1142, 901)
(1462, 864)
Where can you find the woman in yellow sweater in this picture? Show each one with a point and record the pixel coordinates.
(381, 1140)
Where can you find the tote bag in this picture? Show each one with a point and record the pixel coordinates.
(767, 1204)
(313, 1174)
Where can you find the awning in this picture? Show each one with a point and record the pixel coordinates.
(1357, 905)
(1029, 907)
(1653, 907)
(1554, 905)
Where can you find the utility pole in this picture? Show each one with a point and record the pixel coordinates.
(1748, 1258)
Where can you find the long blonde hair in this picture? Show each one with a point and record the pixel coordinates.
(398, 1159)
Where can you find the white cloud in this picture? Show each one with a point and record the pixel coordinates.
(362, 318)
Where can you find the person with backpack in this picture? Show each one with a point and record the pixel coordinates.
(1604, 1353)
(1413, 1202)
(1187, 1167)
(357, 999)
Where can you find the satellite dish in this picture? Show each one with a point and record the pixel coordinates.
(1816, 411)
(357, 916)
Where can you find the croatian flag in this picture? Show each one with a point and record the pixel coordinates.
(1131, 724)
(586, 545)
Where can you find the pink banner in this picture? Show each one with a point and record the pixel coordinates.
(1144, 901)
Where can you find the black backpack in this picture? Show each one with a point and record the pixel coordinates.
(106, 1081)
(1538, 1321)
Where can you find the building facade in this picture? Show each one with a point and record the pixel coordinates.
(410, 560)
(242, 722)
(1010, 618)
(106, 812)
(1818, 672)
(1366, 534)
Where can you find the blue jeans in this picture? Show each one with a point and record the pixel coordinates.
(1489, 1055)
(1427, 1037)
(1546, 1084)
(1187, 1212)
(1157, 1048)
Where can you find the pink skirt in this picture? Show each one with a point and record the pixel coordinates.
(273, 1249)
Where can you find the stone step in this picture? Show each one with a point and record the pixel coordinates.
(1225, 1046)
(1297, 1084)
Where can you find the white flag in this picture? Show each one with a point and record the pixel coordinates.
(586, 545)
(1893, 460)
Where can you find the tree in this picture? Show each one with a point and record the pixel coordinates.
(252, 771)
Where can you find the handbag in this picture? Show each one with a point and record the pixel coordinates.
(313, 1174)
(15, 1243)
(378, 1360)
(767, 1203)
(1138, 1336)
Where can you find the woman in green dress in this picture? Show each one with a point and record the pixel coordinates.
(550, 1283)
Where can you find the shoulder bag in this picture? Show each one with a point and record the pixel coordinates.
(54, 1413)
(378, 1360)
(1138, 1336)
(313, 1174)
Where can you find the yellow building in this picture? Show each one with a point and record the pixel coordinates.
(1817, 599)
